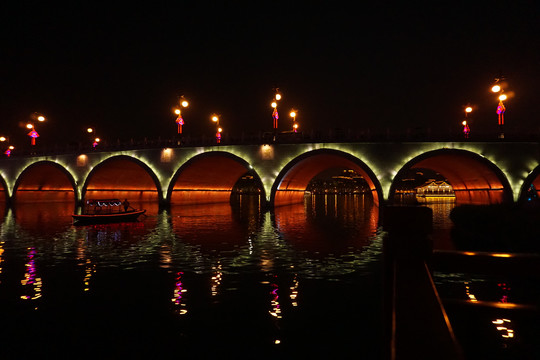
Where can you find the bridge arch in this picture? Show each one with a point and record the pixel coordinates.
(475, 179)
(44, 181)
(294, 178)
(533, 179)
(4, 193)
(122, 176)
(209, 177)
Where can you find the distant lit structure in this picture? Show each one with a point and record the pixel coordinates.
(435, 189)
(179, 120)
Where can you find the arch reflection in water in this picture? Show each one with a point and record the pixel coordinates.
(218, 227)
(44, 218)
(329, 224)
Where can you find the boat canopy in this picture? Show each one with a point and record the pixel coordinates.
(103, 202)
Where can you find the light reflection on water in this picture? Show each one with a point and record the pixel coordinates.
(201, 274)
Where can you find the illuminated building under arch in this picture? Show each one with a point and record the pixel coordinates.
(533, 179)
(474, 179)
(292, 181)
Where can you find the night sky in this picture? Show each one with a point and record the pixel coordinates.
(122, 69)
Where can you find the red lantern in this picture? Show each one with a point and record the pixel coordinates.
(180, 122)
(33, 134)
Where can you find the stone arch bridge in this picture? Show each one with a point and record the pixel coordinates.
(480, 172)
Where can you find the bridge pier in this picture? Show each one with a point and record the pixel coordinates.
(415, 322)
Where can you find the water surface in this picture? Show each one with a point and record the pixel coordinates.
(194, 281)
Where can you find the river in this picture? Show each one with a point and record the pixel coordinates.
(227, 280)
(194, 281)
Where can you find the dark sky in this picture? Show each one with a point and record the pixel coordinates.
(122, 68)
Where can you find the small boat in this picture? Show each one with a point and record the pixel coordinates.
(107, 211)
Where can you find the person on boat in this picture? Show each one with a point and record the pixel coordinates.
(126, 205)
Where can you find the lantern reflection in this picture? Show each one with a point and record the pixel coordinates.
(216, 278)
(178, 295)
(503, 326)
(89, 270)
(31, 282)
(275, 308)
(294, 291)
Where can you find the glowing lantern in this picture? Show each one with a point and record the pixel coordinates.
(180, 122)
(500, 111)
(275, 115)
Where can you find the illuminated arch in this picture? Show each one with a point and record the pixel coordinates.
(44, 181)
(532, 179)
(208, 178)
(475, 179)
(292, 181)
(123, 176)
(4, 191)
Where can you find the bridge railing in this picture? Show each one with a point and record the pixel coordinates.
(286, 137)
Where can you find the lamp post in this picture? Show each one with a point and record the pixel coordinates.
(179, 120)
(293, 114)
(7, 152)
(273, 104)
(465, 123)
(215, 118)
(33, 133)
(501, 109)
(96, 140)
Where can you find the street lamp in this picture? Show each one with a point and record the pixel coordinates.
(179, 120)
(293, 114)
(465, 123)
(9, 148)
(96, 140)
(497, 88)
(33, 133)
(273, 104)
(215, 118)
